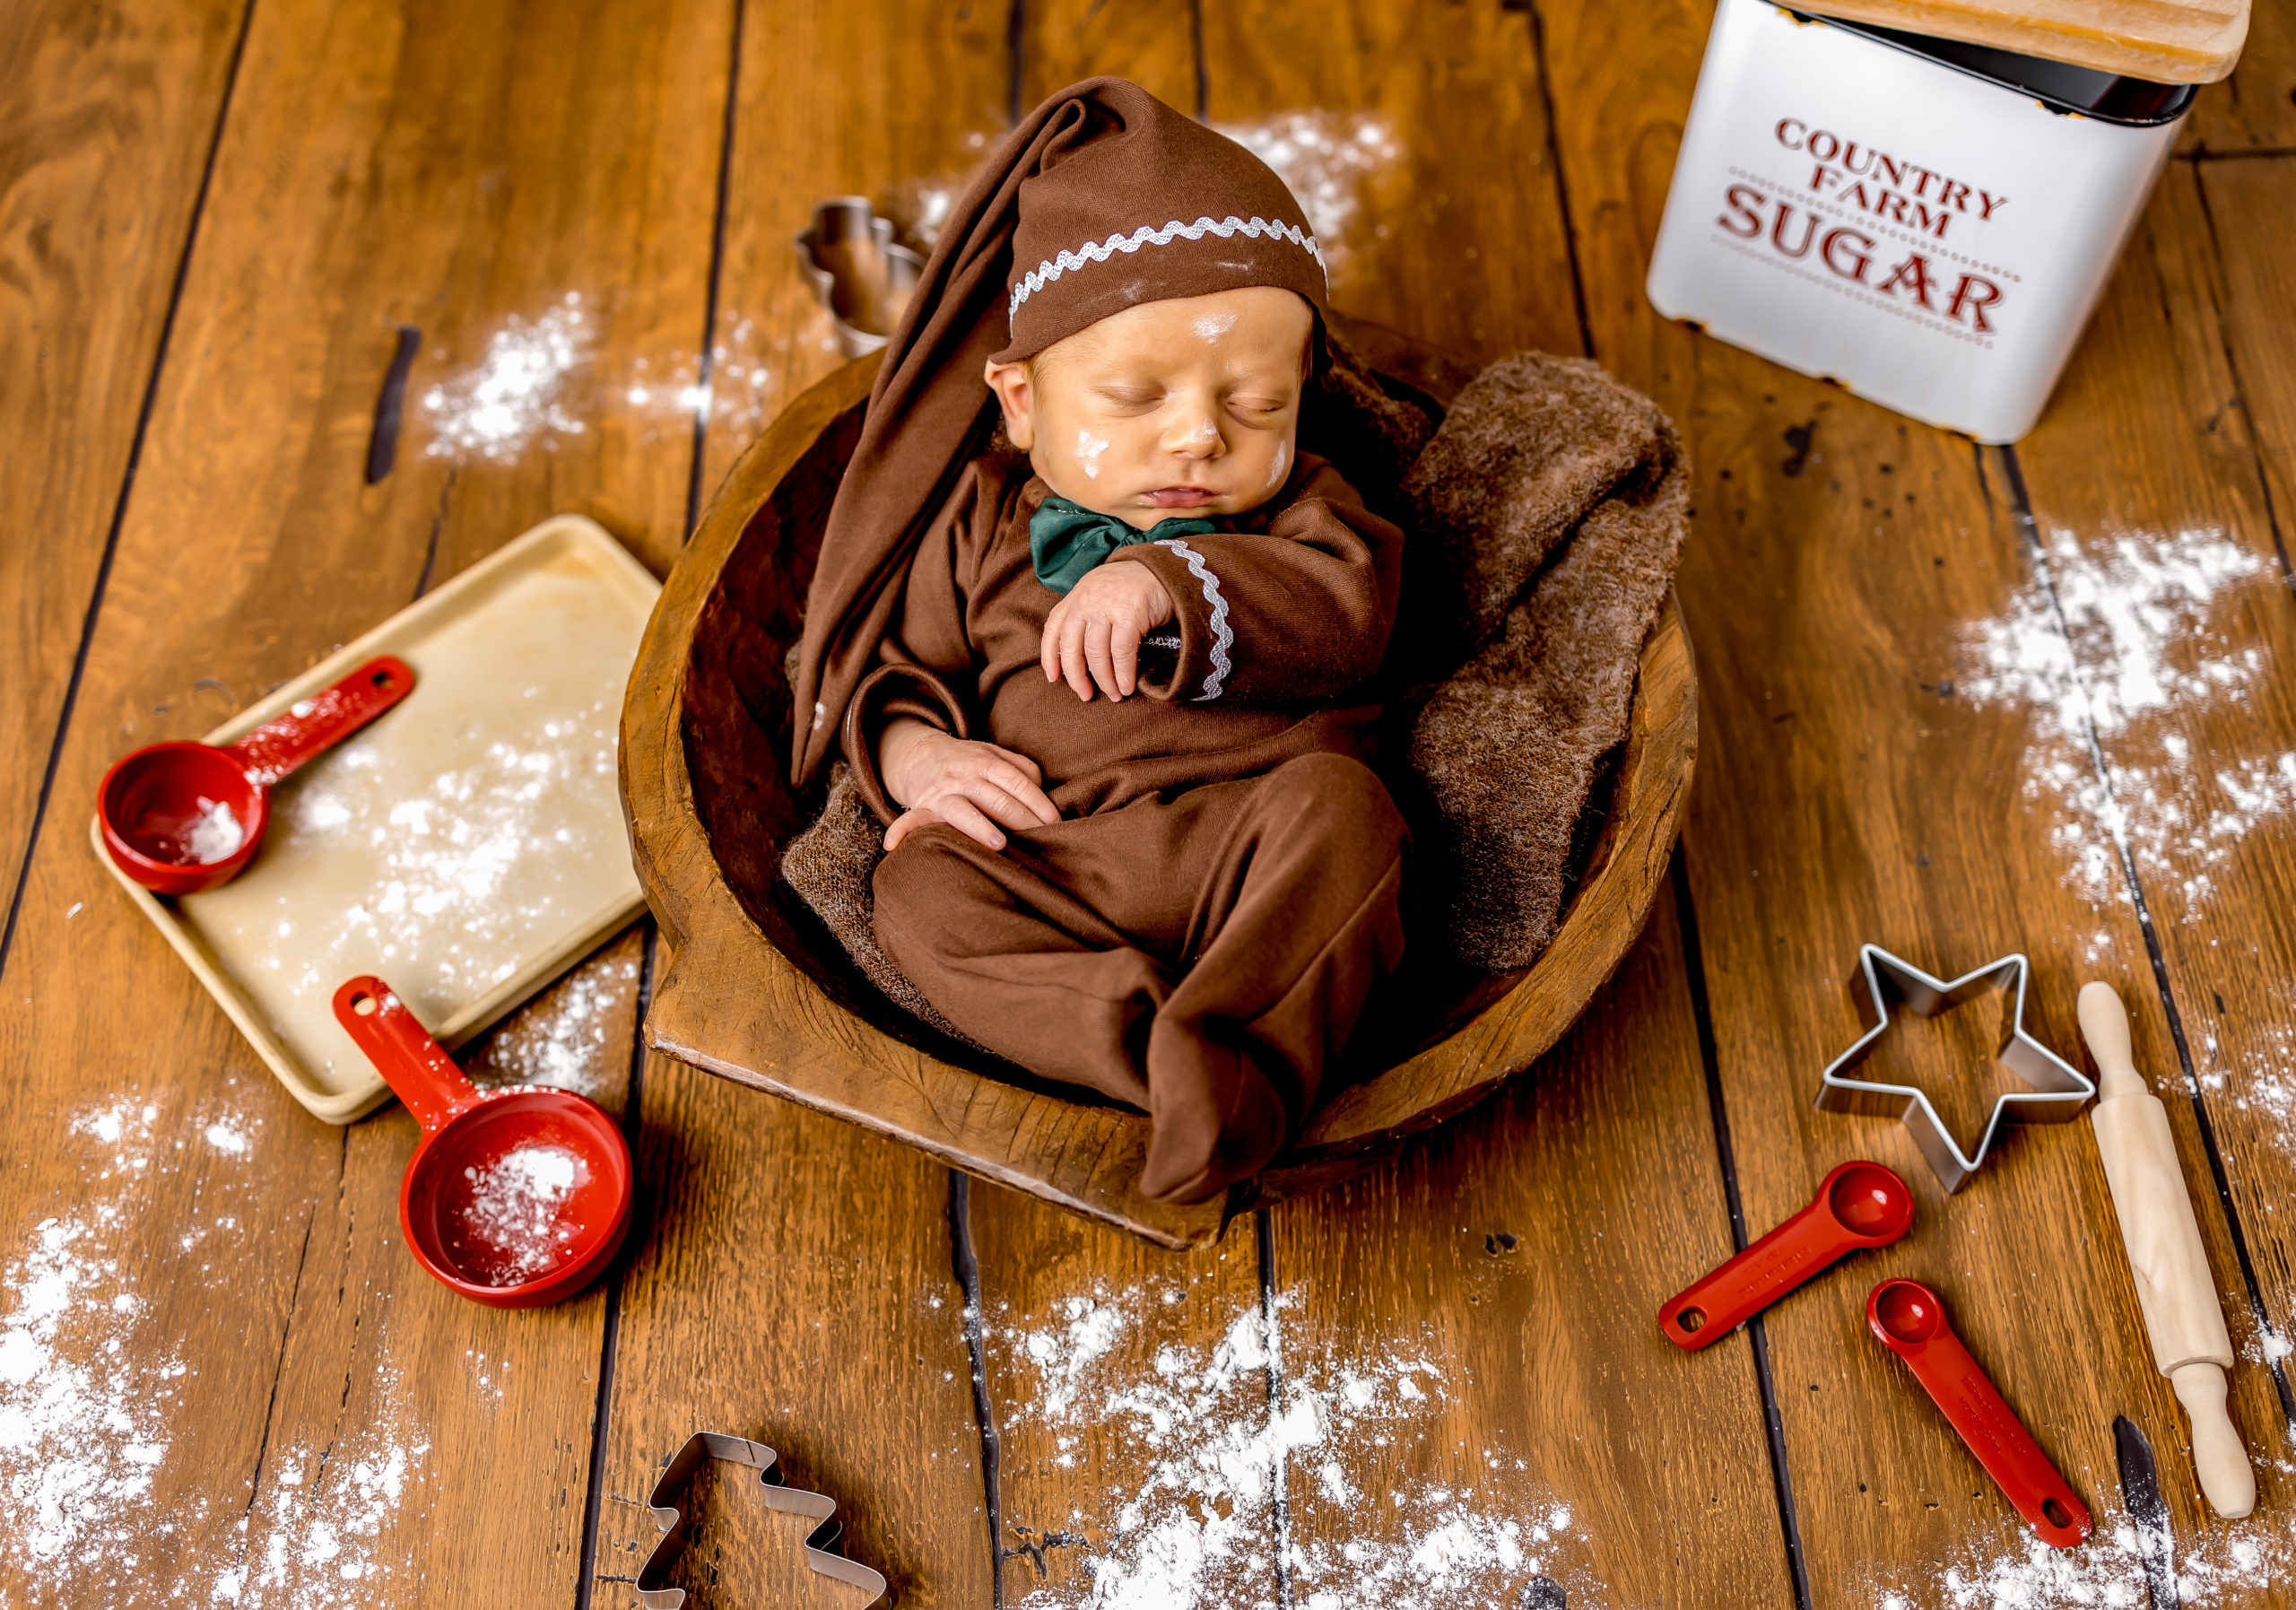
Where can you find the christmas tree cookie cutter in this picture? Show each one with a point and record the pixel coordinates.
(677, 1522)
(2060, 1090)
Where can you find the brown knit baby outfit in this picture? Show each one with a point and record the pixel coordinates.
(1196, 936)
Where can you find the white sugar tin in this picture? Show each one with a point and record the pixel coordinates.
(1901, 215)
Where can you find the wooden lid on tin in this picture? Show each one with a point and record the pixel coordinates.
(2167, 41)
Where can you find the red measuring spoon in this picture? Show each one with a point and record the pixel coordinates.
(1859, 1205)
(1911, 1322)
(182, 817)
(516, 1198)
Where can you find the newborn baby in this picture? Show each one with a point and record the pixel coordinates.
(1115, 715)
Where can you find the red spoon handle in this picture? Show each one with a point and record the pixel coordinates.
(1806, 1244)
(313, 726)
(416, 1066)
(1959, 1386)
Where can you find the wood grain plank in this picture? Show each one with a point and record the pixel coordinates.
(1523, 1251)
(2196, 766)
(106, 119)
(1153, 45)
(1417, 139)
(2255, 109)
(2253, 286)
(1112, 1366)
(895, 101)
(1842, 558)
(1661, 1469)
(793, 1283)
(743, 1310)
(328, 1408)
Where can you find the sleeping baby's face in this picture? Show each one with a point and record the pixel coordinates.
(1171, 410)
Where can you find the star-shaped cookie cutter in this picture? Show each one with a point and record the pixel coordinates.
(676, 1520)
(2060, 1090)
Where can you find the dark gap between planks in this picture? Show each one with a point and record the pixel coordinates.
(2020, 511)
(609, 1340)
(126, 487)
(610, 1336)
(1709, 1057)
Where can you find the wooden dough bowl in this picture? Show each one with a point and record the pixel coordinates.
(756, 989)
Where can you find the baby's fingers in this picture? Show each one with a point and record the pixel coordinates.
(1072, 655)
(1098, 657)
(967, 818)
(1021, 788)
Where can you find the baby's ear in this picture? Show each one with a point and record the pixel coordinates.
(1016, 395)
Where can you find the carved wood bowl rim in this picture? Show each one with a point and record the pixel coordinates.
(727, 999)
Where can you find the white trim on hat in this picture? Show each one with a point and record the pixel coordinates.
(1100, 251)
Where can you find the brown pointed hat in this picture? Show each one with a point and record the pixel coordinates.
(1104, 197)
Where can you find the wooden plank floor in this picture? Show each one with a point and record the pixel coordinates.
(1957, 701)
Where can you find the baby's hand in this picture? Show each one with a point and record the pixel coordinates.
(1092, 636)
(969, 785)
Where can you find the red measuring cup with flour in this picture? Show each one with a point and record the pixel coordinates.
(182, 817)
(515, 1198)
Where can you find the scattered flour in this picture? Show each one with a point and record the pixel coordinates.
(1209, 1455)
(92, 1509)
(2243, 1563)
(511, 398)
(2134, 656)
(561, 1044)
(1325, 157)
(320, 1538)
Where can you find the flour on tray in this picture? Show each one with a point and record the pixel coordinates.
(1210, 1450)
(2133, 654)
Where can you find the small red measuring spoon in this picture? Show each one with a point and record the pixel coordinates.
(182, 817)
(515, 1198)
(1911, 1322)
(1859, 1205)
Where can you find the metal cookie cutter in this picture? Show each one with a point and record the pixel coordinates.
(2060, 1090)
(676, 1524)
(848, 256)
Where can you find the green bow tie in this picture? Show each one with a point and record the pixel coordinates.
(1066, 541)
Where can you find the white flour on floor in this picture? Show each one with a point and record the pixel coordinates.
(95, 1502)
(561, 1042)
(2244, 1562)
(511, 397)
(2142, 661)
(1204, 1451)
(1325, 157)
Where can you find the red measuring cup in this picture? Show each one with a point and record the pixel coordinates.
(1911, 1322)
(1859, 1205)
(182, 817)
(516, 1198)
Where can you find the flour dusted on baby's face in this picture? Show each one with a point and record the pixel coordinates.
(1179, 409)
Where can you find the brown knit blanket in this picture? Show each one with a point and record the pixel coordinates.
(1546, 517)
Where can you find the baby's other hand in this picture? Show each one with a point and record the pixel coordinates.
(970, 785)
(1092, 636)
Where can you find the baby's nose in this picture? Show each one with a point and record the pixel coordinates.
(1198, 437)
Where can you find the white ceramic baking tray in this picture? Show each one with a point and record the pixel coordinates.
(467, 847)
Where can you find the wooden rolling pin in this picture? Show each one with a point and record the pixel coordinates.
(2182, 1316)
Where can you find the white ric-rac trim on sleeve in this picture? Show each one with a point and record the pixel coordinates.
(1100, 251)
(1222, 640)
